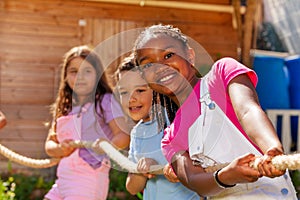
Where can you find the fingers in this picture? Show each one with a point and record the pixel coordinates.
(169, 174)
(266, 168)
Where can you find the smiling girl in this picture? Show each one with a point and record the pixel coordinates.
(85, 109)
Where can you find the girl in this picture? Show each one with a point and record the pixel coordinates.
(136, 100)
(219, 121)
(84, 109)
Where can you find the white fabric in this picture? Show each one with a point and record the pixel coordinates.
(214, 139)
(213, 135)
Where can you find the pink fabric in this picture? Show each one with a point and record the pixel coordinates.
(221, 73)
(78, 180)
(84, 175)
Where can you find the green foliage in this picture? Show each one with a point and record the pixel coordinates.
(23, 187)
(295, 176)
(7, 189)
(117, 186)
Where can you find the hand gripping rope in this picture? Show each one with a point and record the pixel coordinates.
(281, 162)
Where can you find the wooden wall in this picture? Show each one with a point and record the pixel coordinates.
(34, 34)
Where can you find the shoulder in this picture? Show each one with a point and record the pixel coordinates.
(227, 68)
(106, 98)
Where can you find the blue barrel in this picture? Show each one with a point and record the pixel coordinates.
(273, 82)
(293, 66)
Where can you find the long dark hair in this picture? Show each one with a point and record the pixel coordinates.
(65, 96)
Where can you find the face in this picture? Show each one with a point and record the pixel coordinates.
(166, 65)
(135, 95)
(81, 77)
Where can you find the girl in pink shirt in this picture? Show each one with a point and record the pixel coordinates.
(85, 109)
(219, 121)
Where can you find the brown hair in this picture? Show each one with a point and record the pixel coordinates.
(65, 96)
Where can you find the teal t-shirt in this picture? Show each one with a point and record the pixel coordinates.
(146, 142)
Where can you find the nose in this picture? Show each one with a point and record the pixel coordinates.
(132, 97)
(80, 74)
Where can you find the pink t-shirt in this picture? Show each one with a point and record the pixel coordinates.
(218, 78)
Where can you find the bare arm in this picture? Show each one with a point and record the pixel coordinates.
(195, 178)
(135, 183)
(260, 130)
(255, 122)
(120, 131)
(55, 149)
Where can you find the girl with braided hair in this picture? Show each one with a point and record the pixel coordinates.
(219, 121)
(85, 109)
(142, 106)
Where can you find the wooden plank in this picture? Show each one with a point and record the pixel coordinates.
(35, 52)
(26, 112)
(115, 11)
(37, 134)
(26, 40)
(32, 19)
(42, 31)
(248, 32)
(25, 147)
(23, 96)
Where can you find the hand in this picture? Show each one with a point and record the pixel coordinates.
(66, 148)
(170, 174)
(239, 171)
(96, 146)
(264, 163)
(143, 166)
(3, 121)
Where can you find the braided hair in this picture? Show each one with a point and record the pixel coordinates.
(155, 31)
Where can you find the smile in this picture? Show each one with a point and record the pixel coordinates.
(166, 78)
(134, 108)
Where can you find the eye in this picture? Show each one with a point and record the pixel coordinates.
(140, 90)
(72, 71)
(123, 93)
(147, 65)
(88, 70)
(169, 55)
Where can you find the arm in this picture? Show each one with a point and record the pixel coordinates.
(55, 149)
(3, 121)
(196, 179)
(255, 122)
(120, 131)
(238, 171)
(137, 182)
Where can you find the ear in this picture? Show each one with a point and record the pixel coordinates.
(191, 56)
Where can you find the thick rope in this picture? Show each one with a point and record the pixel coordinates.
(29, 162)
(282, 162)
(107, 148)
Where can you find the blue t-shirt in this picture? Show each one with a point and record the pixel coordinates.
(145, 142)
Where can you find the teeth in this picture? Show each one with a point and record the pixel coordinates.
(166, 78)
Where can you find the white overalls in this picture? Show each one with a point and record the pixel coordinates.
(214, 139)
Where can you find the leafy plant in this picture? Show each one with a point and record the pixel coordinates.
(295, 176)
(117, 188)
(21, 186)
(7, 189)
